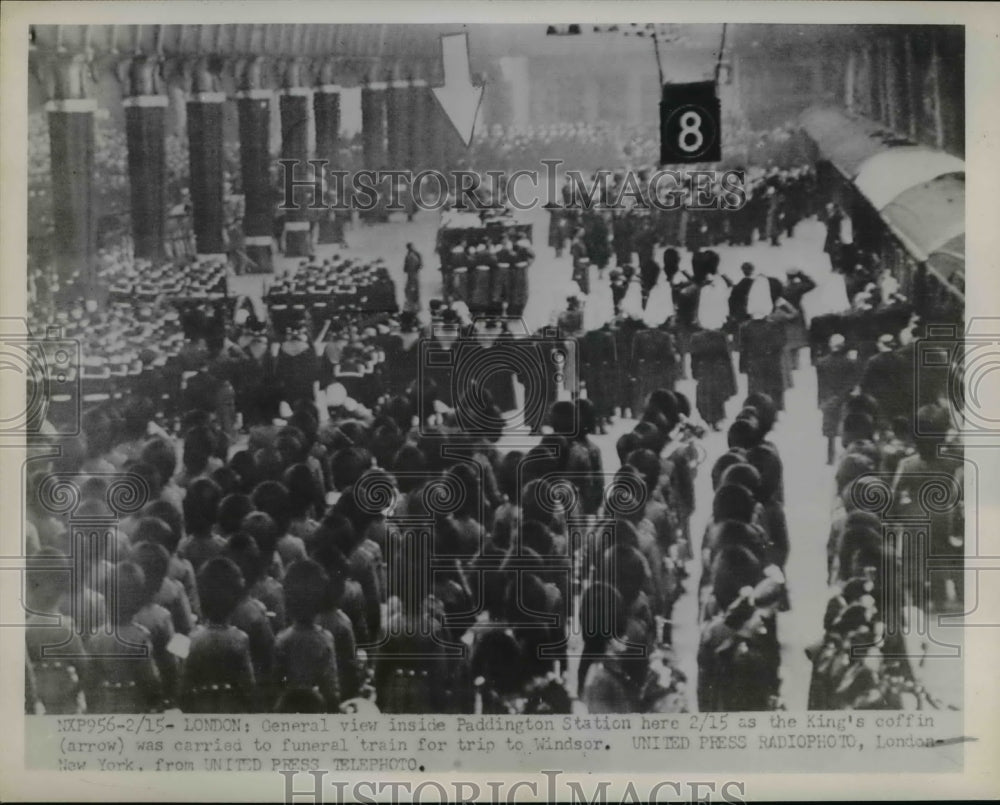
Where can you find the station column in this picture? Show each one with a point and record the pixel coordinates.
(71, 141)
(253, 103)
(397, 117)
(373, 124)
(204, 126)
(326, 111)
(145, 121)
(294, 102)
(418, 123)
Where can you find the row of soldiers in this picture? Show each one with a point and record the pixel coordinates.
(699, 313)
(877, 353)
(744, 553)
(489, 276)
(275, 591)
(863, 660)
(623, 218)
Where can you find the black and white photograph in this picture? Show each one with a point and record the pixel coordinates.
(570, 387)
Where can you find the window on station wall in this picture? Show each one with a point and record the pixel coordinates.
(899, 85)
(350, 111)
(938, 87)
(951, 60)
(875, 84)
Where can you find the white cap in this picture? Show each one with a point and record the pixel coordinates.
(336, 394)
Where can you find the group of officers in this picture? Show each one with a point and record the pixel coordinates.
(625, 218)
(486, 268)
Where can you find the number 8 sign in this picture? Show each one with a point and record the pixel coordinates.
(690, 123)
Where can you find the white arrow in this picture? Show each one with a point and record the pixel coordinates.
(458, 97)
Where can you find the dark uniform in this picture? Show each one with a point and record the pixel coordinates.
(450, 260)
(836, 375)
(480, 278)
(596, 238)
(798, 285)
(655, 364)
(581, 265)
(599, 368)
(712, 370)
(832, 244)
(622, 226)
(523, 258)
(649, 269)
(461, 269)
(500, 283)
(882, 379)
(625, 334)
(412, 264)
(761, 344)
(558, 229)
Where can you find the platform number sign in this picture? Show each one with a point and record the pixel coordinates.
(690, 123)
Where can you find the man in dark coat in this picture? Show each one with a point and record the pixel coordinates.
(798, 285)
(599, 368)
(581, 262)
(501, 281)
(481, 274)
(625, 333)
(649, 269)
(762, 341)
(655, 364)
(596, 238)
(558, 228)
(412, 264)
(882, 378)
(836, 375)
(737, 663)
(524, 256)
(712, 370)
(622, 230)
(774, 218)
(832, 244)
(451, 259)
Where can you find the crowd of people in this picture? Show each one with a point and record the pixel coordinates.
(327, 517)
(282, 564)
(863, 659)
(578, 144)
(583, 144)
(283, 558)
(622, 205)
